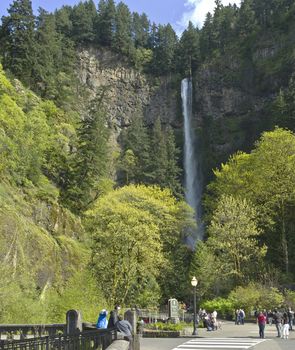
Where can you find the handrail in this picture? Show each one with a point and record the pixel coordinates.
(84, 340)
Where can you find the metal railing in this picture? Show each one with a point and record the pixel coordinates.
(21, 331)
(95, 339)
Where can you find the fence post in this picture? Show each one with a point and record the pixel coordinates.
(131, 316)
(74, 322)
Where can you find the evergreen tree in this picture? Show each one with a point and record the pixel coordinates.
(91, 160)
(63, 20)
(122, 38)
(48, 45)
(173, 170)
(207, 37)
(136, 140)
(83, 17)
(164, 51)
(105, 25)
(140, 30)
(188, 55)
(159, 163)
(20, 48)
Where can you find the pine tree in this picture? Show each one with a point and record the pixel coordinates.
(122, 38)
(140, 30)
(63, 20)
(188, 52)
(159, 162)
(173, 171)
(91, 160)
(48, 43)
(136, 139)
(164, 51)
(20, 48)
(83, 17)
(105, 25)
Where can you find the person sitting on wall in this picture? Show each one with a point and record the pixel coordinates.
(125, 328)
(102, 321)
(114, 317)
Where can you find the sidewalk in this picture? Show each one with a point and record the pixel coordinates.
(229, 329)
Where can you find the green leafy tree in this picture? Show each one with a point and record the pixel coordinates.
(266, 178)
(133, 230)
(233, 236)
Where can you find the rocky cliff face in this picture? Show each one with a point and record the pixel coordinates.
(129, 92)
(227, 111)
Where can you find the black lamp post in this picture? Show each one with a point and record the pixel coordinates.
(194, 283)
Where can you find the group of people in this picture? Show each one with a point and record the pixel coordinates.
(209, 319)
(239, 316)
(115, 321)
(282, 319)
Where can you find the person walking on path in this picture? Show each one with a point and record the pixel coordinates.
(114, 317)
(285, 333)
(125, 328)
(290, 318)
(242, 316)
(261, 320)
(277, 317)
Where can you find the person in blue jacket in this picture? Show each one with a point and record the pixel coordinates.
(102, 321)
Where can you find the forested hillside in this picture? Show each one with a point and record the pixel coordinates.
(91, 155)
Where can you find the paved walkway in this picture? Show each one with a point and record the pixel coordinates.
(230, 336)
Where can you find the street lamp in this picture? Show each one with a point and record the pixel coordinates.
(194, 283)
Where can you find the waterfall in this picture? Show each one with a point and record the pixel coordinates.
(192, 171)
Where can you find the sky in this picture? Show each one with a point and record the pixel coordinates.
(176, 12)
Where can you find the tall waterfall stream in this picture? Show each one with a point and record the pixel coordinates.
(192, 161)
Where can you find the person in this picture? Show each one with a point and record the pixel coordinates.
(269, 317)
(277, 317)
(261, 320)
(114, 317)
(102, 321)
(291, 318)
(125, 328)
(214, 320)
(237, 319)
(285, 331)
(242, 316)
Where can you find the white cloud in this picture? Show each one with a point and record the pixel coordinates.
(197, 10)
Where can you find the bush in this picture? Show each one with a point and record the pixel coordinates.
(223, 306)
(256, 297)
(167, 326)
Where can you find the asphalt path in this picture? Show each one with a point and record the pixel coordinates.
(229, 337)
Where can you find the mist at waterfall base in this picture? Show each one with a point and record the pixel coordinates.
(192, 164)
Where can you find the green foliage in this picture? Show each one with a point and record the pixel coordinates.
(19, 40)
(256, 297)
(224, 307)
(266, 178)
(133, 230)
(90, 163)
(176, 327)
(80, 292)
